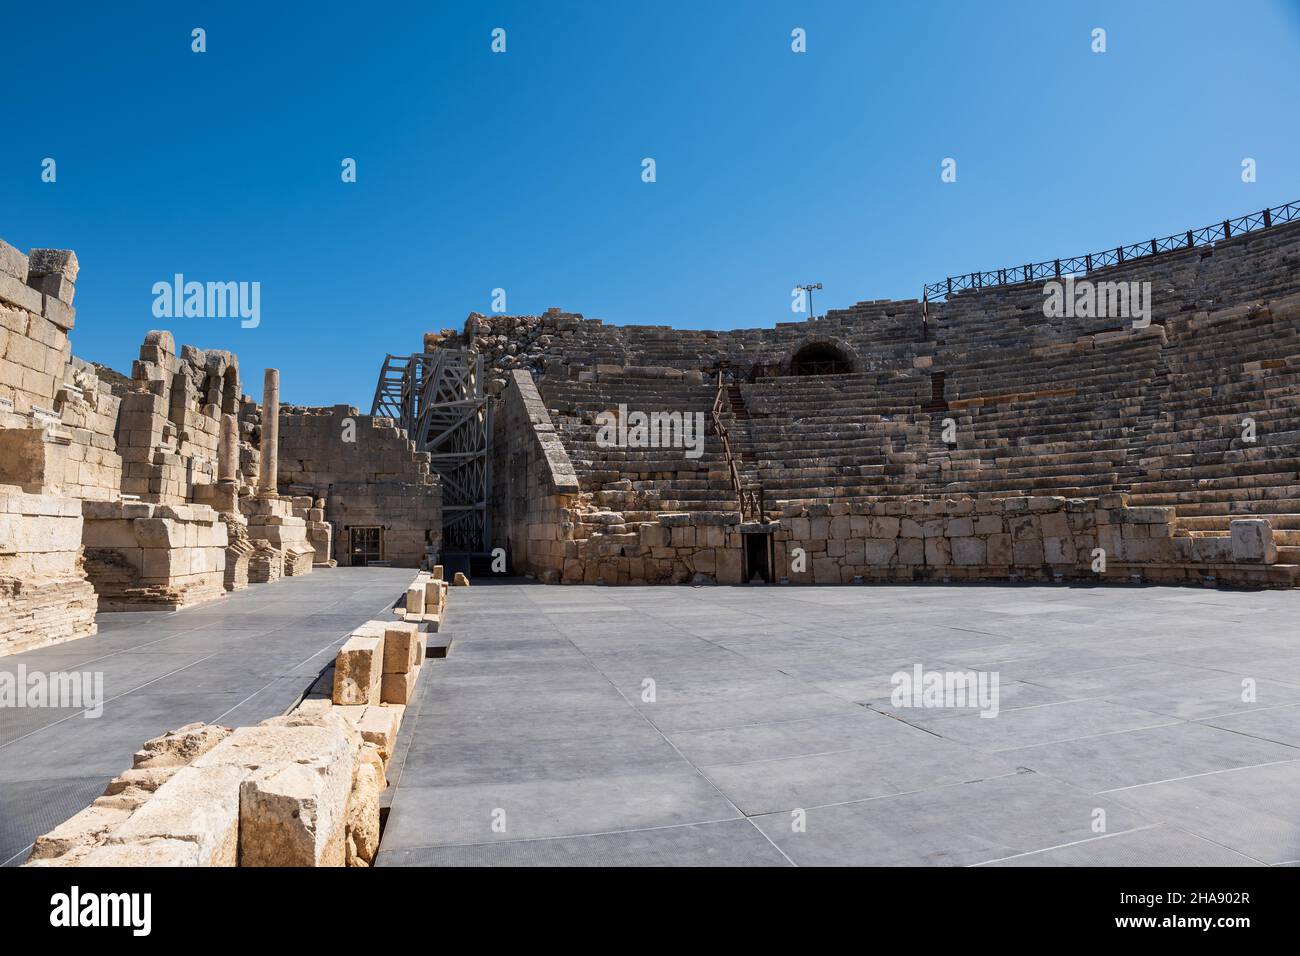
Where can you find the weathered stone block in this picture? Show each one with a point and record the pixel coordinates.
(199, 805)
(399, 688)
(294, 815)
(84, 829)
(179, 747)
(358, 670)
(362, 830)
(1252, 541)
(968, 551)
(401, 648)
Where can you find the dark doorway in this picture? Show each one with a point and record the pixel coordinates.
(820, 358)
(366, 546)
(758, 557)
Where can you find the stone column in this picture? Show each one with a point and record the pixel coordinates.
(266, 480)
(228, 449)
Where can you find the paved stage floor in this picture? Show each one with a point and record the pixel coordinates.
(235, 661)
(1136, 726)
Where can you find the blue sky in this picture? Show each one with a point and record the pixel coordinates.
(523, 170)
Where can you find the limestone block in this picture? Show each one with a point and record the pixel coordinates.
(379, 725)
(84, 829)
(358, 669)
(999, 551)
(33, 458)
(399, 688)
(968, 551)
(131, 789)
(161, 852)
(415, 599)
(1058, 550)
(879, 552)
(362, 830)
(315, 738)
(147, 778)
(1027, 551)
(401, 648)
(959, 528)
(1055, 525)
(1109, 538)
(12, 262)
(314, 706)
(460, 580)
(1252, 541)
(938, 552)
(911, 550)
(1149, 515)
(179, 747)
(199, 805)
(294, 815)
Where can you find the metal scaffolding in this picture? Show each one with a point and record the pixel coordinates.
(438, 398)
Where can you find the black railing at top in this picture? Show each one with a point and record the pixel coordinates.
(1077, 265)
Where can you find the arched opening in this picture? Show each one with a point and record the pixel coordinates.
(177, 403)
(230, 392)
(820, 358)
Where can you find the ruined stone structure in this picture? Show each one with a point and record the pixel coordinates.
(977, 438)
(302, 789)
(162, 490)
(48, 465)
(982, 440)
(379, 494)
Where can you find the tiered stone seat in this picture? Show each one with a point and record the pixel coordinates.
(815, 437)
(1224, 368)
(1055, 419)
(1252, 267)
(1088, 419)
(640, 482)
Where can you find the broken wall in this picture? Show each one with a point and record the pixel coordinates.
(369, 475)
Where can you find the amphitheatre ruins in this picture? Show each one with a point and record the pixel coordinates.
(973, 438)
(969, 436)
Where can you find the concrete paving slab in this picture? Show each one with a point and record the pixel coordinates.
(770, 700)
(959, 825)
(1157, 845)
(729, 843)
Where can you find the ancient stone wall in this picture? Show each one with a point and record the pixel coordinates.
(369, 475)
(148, 556)
(46, 465)
(1189, 415)
(123, 494)
(171, 421)
(535, 492)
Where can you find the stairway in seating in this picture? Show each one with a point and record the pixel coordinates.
(736, 420)
(736, 399)
(1140, 433)
(938, 400)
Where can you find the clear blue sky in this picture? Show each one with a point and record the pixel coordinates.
(522, 170)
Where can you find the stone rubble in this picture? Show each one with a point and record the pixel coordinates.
(298, 790)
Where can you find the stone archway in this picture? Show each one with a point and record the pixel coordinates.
(822, 356)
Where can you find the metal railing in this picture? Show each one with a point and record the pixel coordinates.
(1076, 265)
(749, 499)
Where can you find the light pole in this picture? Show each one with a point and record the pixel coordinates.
(812, 314)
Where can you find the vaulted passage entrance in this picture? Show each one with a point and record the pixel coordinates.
(820, 358)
